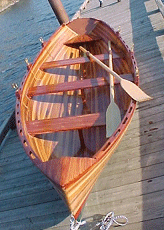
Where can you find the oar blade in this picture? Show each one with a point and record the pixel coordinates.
(134, 91)
(113, 118)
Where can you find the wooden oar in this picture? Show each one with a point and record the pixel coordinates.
(133, 90)
(113, 115)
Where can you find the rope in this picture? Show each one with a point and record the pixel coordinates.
(74, 224)
(110, 219)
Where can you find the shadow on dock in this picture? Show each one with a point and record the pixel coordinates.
(147, 36)
(27, 199)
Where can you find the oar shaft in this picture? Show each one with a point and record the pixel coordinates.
(111, 78)
(101, 64)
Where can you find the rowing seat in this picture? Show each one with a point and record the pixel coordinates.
(67, 86)
(65, 123)
(74, 61)
(73, 85)
(81, 39)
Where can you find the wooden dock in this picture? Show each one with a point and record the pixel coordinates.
(132, 183)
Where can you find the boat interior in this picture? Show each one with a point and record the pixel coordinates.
(65, 94)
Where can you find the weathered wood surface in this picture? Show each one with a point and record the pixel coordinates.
(132, 183)
(160, 6)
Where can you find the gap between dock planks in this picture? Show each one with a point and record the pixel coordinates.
(160, 6)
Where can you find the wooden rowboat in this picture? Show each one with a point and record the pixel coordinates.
(61, 106)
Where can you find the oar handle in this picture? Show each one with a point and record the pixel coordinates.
(101, 63)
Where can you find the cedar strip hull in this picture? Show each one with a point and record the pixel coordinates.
(59, 123)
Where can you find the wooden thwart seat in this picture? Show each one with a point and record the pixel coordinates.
(74, 85)
(74, 61)
(81, 39)
(65, 123)
(67, 86)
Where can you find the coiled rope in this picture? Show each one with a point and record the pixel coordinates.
(105, 224)
(109, 219)
(74, 224)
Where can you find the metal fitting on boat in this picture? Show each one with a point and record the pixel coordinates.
(14, 86)
(41, 40)
(28, 64)
(137, 71)
(119, 29)
(132, 48)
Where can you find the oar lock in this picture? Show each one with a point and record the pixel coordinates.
(137, 71)
(28, 64)
(119, 29)
(26, 60)
(41, 40)
(132, 48)
(14, 86)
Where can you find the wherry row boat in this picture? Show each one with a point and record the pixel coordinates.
(70, 112)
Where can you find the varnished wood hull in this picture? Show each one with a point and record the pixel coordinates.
(61, 104)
